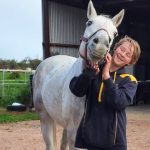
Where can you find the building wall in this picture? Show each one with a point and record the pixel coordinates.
(66, 25)
(141, 31)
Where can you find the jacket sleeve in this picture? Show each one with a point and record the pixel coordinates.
(119, 96)
(79, 85)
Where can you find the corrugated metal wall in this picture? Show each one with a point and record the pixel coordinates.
(67, 24)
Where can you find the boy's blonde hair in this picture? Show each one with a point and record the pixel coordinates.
(134, 44)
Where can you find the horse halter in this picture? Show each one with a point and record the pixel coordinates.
(86, 41)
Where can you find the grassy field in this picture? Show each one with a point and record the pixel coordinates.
(14, 90)
(21, 79)
(8, 116)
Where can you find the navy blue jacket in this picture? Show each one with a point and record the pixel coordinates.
(103, 124)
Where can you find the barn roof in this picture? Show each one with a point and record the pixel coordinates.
(133, 7)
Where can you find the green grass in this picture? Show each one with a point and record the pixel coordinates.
(13, 91)
(8, 117)
(21, 79)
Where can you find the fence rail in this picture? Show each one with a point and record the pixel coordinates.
(10, 87)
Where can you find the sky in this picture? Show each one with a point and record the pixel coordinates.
(20, 29)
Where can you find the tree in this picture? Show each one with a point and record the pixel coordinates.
(25, 63)
(34, 63)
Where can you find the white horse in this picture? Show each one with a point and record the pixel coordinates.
(52, 97)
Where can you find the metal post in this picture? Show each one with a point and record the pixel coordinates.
(3, 84)
(25, 77)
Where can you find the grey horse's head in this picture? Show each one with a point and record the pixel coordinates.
(99, 34)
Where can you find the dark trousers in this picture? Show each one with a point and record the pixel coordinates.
(113, 148)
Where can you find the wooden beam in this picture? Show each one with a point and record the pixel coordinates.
(45, 13)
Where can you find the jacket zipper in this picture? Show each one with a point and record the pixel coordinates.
(116, 128)
(85, 110)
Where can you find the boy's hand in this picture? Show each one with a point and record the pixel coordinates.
(106, 69)
(94, 66)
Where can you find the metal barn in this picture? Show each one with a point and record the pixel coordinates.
(64, 23)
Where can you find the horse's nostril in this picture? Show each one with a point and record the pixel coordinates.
(107, 45)
(95, 40)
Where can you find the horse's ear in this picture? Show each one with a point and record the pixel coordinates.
(91, 12)
(118, 18)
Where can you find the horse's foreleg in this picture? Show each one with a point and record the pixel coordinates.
(64, 140)
(71, 134)
(48, 128)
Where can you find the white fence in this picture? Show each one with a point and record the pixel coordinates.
(9, 86)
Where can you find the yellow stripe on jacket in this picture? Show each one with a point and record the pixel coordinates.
(132, 78)
(102, 87)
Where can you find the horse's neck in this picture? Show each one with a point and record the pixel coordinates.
(74, 71)
(77, 67)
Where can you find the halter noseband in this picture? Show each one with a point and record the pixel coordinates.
(86, 41)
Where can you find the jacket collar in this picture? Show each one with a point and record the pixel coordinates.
(118, 72)
(121, 71)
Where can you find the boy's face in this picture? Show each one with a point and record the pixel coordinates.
(123, 55)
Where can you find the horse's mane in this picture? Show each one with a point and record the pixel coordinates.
(107, 16)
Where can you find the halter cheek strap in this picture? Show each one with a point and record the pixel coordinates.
(84, 39)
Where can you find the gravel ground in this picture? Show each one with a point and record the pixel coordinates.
(27, 135)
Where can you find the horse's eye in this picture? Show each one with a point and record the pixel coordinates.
(115, 34)
(89, 23)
